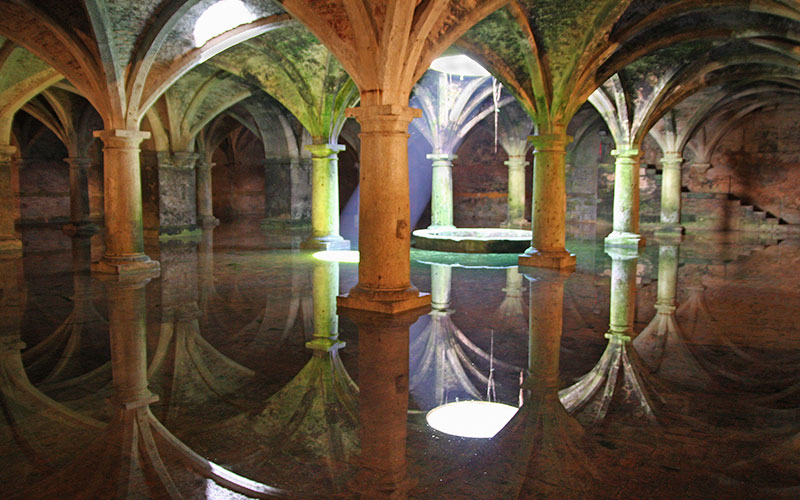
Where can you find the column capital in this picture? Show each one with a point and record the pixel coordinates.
(183, 160)
(78, 162)
(672, 160)
(701, 166)
(121, 138)
(626, 153)
(516, 161)
(441, 158)
(550, 142)
(384, 117)
(202, 164)
(327, 150)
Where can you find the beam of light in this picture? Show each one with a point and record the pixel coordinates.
(473, 419)
(347, 256)
(219, 18)
(458, 65)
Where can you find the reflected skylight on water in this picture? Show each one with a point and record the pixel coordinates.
(472, 419)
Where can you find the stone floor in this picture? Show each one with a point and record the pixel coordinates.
(244, 409)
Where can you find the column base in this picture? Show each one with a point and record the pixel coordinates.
(670, 231)
(383, 301)
(80, 229)
(208, 221)
(134, 264)
(517, 224)
(622, 239)
(559, 259)
(189, 233)
(330, 242)
(10, 247)
(441, 227)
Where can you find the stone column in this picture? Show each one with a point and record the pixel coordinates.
(325, 198)
(9, 241)
(325, 284)
(623, 294)
(516, 193)
(384, 273)
(442, 191)
(177, 196)
(626, 200)
(79, 210)
(205, 204)
(549, 212)
(671, 195)
(123, 204)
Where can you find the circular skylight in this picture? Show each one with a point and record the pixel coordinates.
(458, 65)
(351, 256)
(473, 419)
(219, 18)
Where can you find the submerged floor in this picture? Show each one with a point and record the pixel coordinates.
(208, 390)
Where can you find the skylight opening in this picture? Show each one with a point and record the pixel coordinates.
(221, 17)
(460, 65)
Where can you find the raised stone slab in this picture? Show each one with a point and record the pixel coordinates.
(473, 240)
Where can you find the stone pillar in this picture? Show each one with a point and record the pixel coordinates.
(516, 193)
(384, 273)
(549, 213)
(441, 277)
(623, 294)
(626, 200)
(79, 210)
(442, 191)
(667, 284)
(177, 195)
(9, 241)
(325, 285)
(205, 203)
(383, 403)
(325, 198)
(671, 195)
(123, 204)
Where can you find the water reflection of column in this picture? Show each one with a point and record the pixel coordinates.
(383, 402)
(325, 284)
(205, 261)
(511, 316)
(661, 345)
(615, 383)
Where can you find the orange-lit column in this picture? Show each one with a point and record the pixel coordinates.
(384, 233)
(549, 212)
(123, 204)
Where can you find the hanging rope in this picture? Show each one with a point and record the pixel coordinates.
(491, 393)
(497, 87)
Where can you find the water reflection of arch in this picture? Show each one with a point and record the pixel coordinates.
(441, 366)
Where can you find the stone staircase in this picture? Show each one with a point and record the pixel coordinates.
(726, 212)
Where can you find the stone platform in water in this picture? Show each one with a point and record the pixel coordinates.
(473, 240)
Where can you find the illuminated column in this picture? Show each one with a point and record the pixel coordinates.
(79, 210)
(325, 198)
(671, 194)
(205, 205)
(516, 193)
(123, 204)
(626, 200)
(325, 283)
(9, 242)
(384, 272)
(442, 191)
(549, 213)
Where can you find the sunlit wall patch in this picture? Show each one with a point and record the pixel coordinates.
(458, 65)
(219, 18)
(347, 256)
(473, 419)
